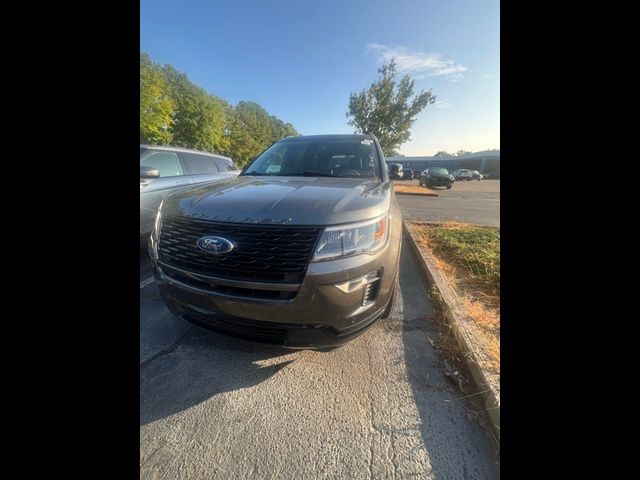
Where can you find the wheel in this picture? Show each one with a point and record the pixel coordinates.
(387, 311)
(448, 187)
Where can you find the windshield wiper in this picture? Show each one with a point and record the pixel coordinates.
(311, 173)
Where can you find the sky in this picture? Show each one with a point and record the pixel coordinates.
(301, 59)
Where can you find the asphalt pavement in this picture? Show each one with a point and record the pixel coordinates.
(469, 201)
(379, 407)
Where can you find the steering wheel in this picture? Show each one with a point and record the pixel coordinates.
(350, 171)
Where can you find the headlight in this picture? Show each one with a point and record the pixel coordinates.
(353, 239)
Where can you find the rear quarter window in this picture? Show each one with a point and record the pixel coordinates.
(225, 165)
(196, 164)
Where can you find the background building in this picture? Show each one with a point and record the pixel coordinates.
(486, 162)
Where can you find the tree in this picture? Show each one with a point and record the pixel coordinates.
(200, 118)
(459, 153)
(157, 107)
(443, 154)
(252, 130)
(174, 110)
(386, 109)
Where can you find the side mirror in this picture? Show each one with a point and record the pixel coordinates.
(147, 171)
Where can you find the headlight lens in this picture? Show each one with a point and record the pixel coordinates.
(353, 239)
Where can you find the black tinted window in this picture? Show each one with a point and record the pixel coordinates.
(225, 165)
(199, 163)
(350, 157)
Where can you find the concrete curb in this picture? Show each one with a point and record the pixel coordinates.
(486, 383)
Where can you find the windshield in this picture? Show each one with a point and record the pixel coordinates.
(351, 157)
(439, 171)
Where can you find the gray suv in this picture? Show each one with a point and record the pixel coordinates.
(301, 249)
(164, 170)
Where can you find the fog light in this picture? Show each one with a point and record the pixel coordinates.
(369, 283)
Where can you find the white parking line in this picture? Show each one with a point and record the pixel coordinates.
(146, 282)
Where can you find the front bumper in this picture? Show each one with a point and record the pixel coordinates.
(319, 315)
(440, 182)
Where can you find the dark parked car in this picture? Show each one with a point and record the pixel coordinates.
(395, 171)
(407, 174)
(463, 174)
(416, 174)
(164, 170)
(436, 177)
(301, 249)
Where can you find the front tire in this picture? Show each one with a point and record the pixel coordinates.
(448, 187)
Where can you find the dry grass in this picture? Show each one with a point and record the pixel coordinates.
(414, 189)
(486, 317)
(492, 347)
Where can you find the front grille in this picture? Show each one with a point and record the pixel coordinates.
(268, 253)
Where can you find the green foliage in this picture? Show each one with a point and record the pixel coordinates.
(387, 110)
(252, 130)
(175, 111)
(157, 107)
(200, 118)
(443, 154)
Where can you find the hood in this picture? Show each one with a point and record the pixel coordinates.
(283, 200)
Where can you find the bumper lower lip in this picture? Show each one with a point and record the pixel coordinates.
(288, 335)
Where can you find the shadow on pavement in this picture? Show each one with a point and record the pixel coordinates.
(199, 365)
(457, 446)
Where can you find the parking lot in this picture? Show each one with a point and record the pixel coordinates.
(379, 407)
(472, 202)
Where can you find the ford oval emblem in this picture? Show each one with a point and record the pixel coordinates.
(215, 245)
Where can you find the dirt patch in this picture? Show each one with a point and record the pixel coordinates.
(414, 190)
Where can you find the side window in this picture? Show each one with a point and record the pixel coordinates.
(166, 162)
(199, 163)
(225, 166)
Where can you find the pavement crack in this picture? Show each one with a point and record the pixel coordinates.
(166, 351)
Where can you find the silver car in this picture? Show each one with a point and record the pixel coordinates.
(165, 170)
